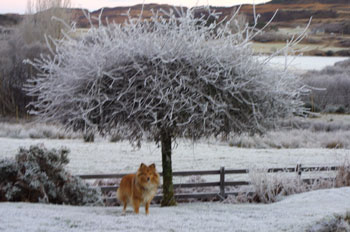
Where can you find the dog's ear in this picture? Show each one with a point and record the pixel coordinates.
(143, 165)
(153, 166)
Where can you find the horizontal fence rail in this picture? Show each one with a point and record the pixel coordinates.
(222, 172)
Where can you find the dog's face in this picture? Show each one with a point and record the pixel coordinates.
(147, 176)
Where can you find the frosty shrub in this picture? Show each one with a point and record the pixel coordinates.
(337, 223)
(169, 76)
(38, 175)
(271, 187)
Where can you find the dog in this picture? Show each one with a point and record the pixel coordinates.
(139, 189)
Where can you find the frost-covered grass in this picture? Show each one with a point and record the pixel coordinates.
(105, 157)
(300, 212)
(294, 139)
(324, 131)
(35, 131)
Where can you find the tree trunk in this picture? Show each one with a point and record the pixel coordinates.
(168, 188)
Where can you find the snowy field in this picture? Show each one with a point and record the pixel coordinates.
(302, 64)
(297, 213)
(106, 157)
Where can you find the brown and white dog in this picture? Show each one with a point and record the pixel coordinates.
(140, 188)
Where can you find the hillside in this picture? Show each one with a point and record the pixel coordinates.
(9, 20)
(329, 32)
(290, 12)
(310, 1)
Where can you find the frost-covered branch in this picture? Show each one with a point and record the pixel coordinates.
(171, 72)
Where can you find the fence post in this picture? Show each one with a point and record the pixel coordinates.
(298, 170)
(222, 182)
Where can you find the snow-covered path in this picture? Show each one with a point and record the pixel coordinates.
(295, 213)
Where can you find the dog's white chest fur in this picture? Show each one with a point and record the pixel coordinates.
(148, 195)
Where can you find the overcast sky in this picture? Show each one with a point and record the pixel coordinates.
(19, 6)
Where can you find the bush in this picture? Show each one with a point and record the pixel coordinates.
(38, 175)
(337, 223)
(271, 36)
(329, 53)
(270, 187)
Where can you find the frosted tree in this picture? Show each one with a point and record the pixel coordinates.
(168, 77)
(39, 19)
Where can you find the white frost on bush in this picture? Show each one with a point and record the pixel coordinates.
(271, 187)
(39, 175)
(171, 72)
(335, 223)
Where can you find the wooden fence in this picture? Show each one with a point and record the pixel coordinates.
(222, 183)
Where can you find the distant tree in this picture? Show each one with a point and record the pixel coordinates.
(168, 77)
(27, 41)
(44, 18)
(332, 88)
(13, 73)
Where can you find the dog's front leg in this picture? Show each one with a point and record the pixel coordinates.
(147, 207)
(136, 204)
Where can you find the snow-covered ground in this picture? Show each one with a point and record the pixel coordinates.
(295, 213)
(106, 157)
